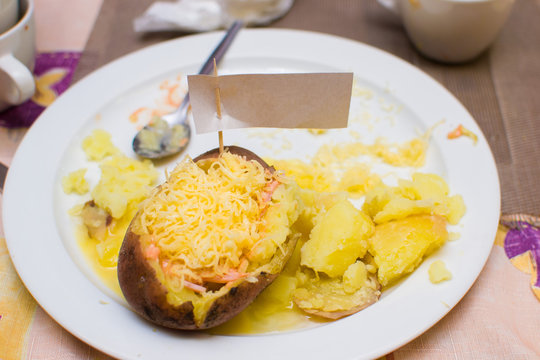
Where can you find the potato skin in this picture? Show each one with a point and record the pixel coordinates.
(148, 297)
(237, 150)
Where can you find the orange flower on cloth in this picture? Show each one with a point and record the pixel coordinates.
(522, 246)
(17, 309)
(45, 93)
(52, 74)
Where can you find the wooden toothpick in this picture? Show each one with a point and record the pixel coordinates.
(218, 110)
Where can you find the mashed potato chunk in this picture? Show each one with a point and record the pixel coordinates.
(438, 272)
(399, 246)
(98, 145)
(337, 239)
(75, 182)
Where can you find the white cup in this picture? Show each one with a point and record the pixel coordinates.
(17, 56)
(451, 31)
(9, 12)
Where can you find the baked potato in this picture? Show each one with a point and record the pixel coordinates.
(208, 240)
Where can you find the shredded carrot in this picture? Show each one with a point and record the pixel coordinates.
(134, 117)
(268, 191)
(462, 131)
(231, 275)
(157, 112)
(170, 93)
(152, 252)
(164, 85)
(457, 132)
(243, 265)
(164, 265)
(194, 287)
(266, 196)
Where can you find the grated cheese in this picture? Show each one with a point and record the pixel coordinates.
(206, 219)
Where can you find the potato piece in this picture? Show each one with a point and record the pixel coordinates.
(456, 209)
(423, 194)
(98, 145)
(438, 272)
(124, 182)
(337, 240)
(355, 277)
(358, 180)
(307, 176)
(315, 203)
(426, 186)
(376, 200)
(400, 208)
(399, 246)
(332, 298)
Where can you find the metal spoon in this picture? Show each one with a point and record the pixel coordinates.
(170, 134)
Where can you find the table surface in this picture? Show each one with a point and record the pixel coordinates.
(500, 90)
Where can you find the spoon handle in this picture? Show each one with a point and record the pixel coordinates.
(222, 47)
(217, 54)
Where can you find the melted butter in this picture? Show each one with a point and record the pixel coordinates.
(264, 315)
(106, 274)
(262, 318)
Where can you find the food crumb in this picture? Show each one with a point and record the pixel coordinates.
(361, 92)
(445, 304)
(74, 182)
(355, 135)
(267, 145)
(287, 145)
(453, 236)
(317, 131)
(103, 302)
(462, 131)
(438, 272)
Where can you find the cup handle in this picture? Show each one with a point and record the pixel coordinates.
(22, 85)
(391, 5)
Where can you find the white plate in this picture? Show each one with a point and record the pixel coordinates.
(42, 245)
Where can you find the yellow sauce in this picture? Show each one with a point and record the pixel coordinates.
(264, 315)
(106, 274)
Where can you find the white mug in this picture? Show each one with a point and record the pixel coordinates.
(451, 31)
(9, 12)
(17, 56)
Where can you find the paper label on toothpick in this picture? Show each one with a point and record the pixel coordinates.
(312, 100)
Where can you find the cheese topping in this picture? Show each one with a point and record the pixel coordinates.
(203, 222)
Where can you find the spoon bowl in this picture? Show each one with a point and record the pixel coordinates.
(165, 135)
(169, 134)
